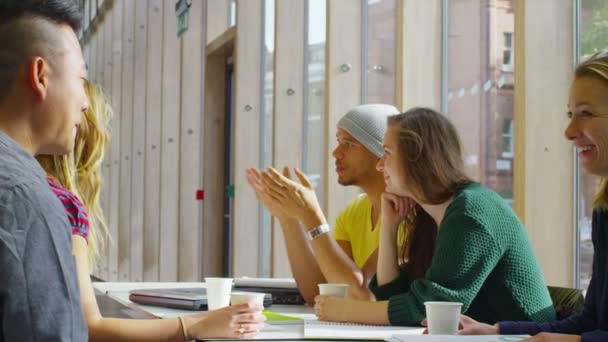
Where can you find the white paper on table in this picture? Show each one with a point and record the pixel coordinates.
(331, 330)
(456, 338)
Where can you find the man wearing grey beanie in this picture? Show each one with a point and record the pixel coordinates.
(349, 255)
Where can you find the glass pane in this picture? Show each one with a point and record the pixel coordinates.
(232, 13)
(594, 38)
(266, 130)
(314, 106)
(381, 51)
(480, 88)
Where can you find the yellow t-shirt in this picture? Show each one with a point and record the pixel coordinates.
(354, 225)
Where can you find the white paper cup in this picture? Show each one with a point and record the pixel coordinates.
(237, 298)
(218, 292)
(442, 317)
(336, 290)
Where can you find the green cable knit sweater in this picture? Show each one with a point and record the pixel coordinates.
(483, 259)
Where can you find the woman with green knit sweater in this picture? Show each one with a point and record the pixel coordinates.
(482, 256)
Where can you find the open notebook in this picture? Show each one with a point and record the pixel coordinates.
(345, 331)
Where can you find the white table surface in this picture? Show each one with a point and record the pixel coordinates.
(272, 331)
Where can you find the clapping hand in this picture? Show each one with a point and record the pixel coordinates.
(297, 199)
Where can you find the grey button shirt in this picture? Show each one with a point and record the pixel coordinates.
(39, 296)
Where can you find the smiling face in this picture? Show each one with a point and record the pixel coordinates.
(391, 164)
(354, 162)
(63, 98)
(588, 128)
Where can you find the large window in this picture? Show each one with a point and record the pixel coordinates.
(593, 25)
(314, 96)
(379, 51)
(479, 87)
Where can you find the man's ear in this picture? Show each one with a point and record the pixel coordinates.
(38, 73)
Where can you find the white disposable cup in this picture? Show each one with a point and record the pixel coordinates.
(442, 317)
(218, 292)
(237, 298)
(336, 290)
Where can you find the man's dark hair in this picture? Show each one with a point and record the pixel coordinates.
(26, 29)
(60, 11)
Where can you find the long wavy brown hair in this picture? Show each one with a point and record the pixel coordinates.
(431, 154)
(80, 171)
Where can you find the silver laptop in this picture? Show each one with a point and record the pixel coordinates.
(181, 298)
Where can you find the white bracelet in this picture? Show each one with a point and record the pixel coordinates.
(318, 231)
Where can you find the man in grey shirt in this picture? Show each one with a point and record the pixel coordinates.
(42, 98)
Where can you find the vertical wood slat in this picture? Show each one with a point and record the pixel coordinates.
(246, 135)
(100, 268)
(106, 163)
(190, 234)
(99, 63)
(343, 90)
(116, 123)
(544, 160)
(419, 55)
(93, 59)
(139, 142)
(87, 15)
(93, 9)
(288, 108)
(153, 141)
(169, 183)
(217, 19)
(126, 117)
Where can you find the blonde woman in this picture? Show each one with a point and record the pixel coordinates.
(588, 131)
(78, 176)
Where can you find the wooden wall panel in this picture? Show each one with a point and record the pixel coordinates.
(170, 143)
(126, 134)
(419, 54)
(107, 87)
(246, 135)
(93, 9)
(92, 66)
(544, 160)
(105, 55)
(138, 147)
(116, 123)
(107, 161)
(153, 141)
(288, 107)
(217, 18)
(190, 232)
(87, 14)
(343, 90)
(99, 61)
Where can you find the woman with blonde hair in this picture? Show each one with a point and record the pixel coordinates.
(588, 131)
(482, 257)
(78, 176)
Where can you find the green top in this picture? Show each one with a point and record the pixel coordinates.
(483, 259)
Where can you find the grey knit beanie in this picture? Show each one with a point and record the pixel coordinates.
(367, 124)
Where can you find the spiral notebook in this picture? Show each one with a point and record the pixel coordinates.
(342, 331)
